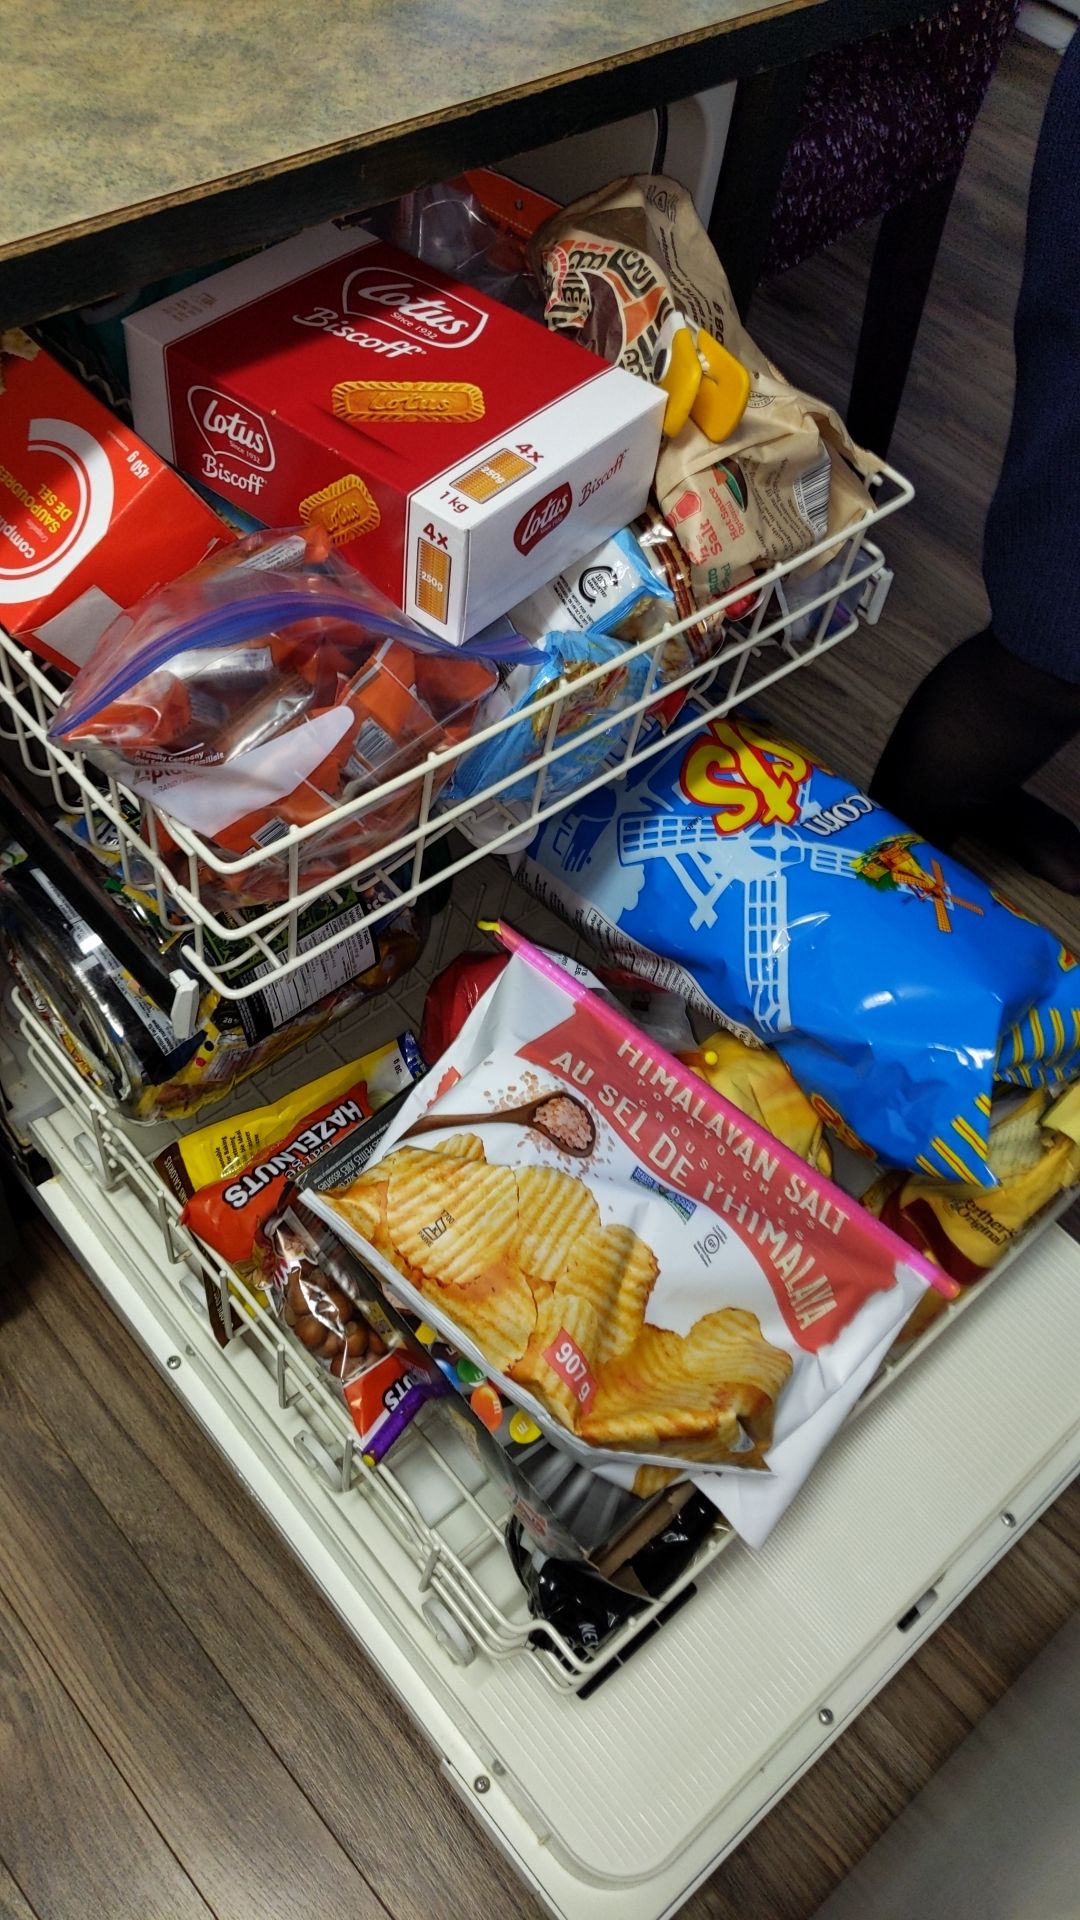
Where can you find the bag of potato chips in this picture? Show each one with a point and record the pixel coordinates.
(642, 1267)
(778, 899)
(1035, 1154)
(756, 1081)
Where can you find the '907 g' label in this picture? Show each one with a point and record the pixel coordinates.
(565, 1358)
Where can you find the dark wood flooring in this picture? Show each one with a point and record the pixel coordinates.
(185, 1729)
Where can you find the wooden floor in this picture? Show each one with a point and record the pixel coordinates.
(185, 1729)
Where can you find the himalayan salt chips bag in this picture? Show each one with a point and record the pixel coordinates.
(645, 1270)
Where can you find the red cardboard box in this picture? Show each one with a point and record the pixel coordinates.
(90, 519)
(457, 453)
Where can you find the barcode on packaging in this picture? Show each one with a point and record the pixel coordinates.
(811, 490)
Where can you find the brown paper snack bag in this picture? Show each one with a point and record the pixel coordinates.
(615, 266)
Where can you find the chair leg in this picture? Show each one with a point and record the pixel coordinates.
(764, 123)
(900, 275)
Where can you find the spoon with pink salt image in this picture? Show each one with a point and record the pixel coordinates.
(560, 1117)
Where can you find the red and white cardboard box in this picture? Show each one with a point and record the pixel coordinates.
(90, 519)
(458, 453)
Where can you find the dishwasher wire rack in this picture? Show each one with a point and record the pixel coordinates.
(774, 639)
(438, 1502)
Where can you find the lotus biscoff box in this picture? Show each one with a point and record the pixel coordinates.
(457, 453)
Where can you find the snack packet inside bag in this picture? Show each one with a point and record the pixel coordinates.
(644, 1269)
(331, 1308)
(262, 692)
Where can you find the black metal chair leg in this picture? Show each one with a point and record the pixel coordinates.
(900, 275)
(763, 125)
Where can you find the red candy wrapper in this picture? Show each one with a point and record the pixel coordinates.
(452, 996)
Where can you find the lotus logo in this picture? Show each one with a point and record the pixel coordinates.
(412, 306)
(229, 427)
(543, 518)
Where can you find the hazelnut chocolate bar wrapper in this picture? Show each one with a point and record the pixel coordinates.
(232, 1174)
(641, 1267)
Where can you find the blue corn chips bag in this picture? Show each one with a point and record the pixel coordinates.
(777, 897)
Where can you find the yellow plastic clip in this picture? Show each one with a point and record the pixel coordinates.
(720, 400)
(680, 380)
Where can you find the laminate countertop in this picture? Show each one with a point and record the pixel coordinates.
(145, 135)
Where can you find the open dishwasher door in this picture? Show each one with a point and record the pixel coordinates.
(614, 1805)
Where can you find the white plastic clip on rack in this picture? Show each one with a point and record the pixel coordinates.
(775, 640)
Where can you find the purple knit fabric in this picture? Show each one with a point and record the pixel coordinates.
(880, 120)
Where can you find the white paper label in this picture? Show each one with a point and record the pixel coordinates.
(209, 799)
(287, 997)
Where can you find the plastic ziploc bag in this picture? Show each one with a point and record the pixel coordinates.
(262, 690)
(646, 1271)
(895, 984)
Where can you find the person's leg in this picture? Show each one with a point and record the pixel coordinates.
(980, 725)
(1000, 706)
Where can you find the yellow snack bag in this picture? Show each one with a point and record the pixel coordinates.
(1034, 1150)
(756, 1080)
(231, 1176)
(215, 1152)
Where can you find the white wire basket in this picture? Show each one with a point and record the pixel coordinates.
(238, 960)
(441, 1506)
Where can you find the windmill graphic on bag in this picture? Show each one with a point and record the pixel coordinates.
(753, 779)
